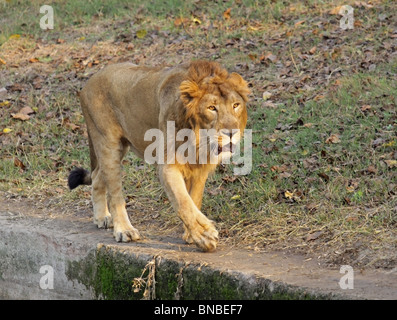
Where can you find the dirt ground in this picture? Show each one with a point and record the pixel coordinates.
(148, 225)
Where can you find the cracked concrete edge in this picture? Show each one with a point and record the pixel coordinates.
(83, 268)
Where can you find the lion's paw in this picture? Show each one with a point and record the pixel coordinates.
(205, 236)
(126, 235)
(104, 222)
(187, 237)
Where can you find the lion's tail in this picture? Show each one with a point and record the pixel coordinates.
(77, 177)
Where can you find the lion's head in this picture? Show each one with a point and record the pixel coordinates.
(214, 99)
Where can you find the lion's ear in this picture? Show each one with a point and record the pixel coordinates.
(189, 90)
(240, 85)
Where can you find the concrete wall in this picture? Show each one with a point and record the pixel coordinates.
(83, 268)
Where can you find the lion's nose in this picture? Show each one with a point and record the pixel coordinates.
(228, 133)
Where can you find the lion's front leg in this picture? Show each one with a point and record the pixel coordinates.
(199, 229)
(195, 186)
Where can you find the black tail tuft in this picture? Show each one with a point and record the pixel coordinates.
(77, 177)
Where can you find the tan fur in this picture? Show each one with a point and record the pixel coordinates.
(123, 101)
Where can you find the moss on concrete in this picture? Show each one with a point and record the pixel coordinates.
(109, 274)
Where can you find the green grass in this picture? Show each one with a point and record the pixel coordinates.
(301, 182)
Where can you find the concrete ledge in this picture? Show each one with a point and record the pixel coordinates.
(88, 264)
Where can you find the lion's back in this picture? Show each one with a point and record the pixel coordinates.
(137, 98)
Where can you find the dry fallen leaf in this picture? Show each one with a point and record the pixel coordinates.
(337, 82)
(3, 92)
(14, 36)
(37, 83)
(251, 28)
(372, 170)
(357, 23)
(289, 195)
(335, 54)
(266, 95)
(305, 152)
(23, 114)
(350, 189)
(313, 50)
(196, 20)
(70, 125)
(333, 138)
(323, 176)
(20, 116)
(59, 190)
(335, 10)
(318, 97)
(2, 61)
(26, 110)
(7, 130)
(391, 163)
(226, 14)
(141, 33)
(282, 168)
(363, 4)
(229, 178)
(18, 163)
(391, 143)
(295, 196)
(314, 236)
(49, 115)
(268, 56)
(377, 142)
(300, 22)
(178, 22)
(352, 185)
(285, 175)
(365, 107)
(351, 219)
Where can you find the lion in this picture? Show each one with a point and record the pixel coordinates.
(123, 101)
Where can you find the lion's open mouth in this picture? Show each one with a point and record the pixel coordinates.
(230, 147)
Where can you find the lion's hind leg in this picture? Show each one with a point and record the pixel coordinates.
(110, 170)
(102, 216)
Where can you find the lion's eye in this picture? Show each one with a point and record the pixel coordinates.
(236, 105)
(212, 108)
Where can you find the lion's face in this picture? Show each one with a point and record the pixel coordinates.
(216, 101)
(227, 116)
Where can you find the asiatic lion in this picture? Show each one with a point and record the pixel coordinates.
(123, 101)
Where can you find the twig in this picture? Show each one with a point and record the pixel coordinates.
(332, 72)
(292, 57)
(184, 28)
(149, 282)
